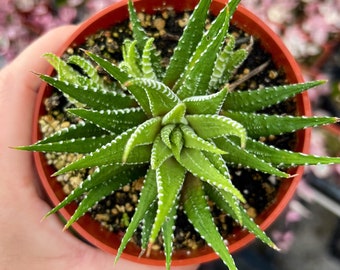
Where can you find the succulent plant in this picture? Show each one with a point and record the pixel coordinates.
(179, 127)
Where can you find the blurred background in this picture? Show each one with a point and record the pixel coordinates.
(308, 233)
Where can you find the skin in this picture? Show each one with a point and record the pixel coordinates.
(26, 242)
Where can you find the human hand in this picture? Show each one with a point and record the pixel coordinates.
(27, 243)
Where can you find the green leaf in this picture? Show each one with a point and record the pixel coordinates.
(228, 197)
(115, 121)
(187, 44)
(166, 133)
(219, 163)
(240, 156)
(195, 206)
(232, 6)
(285, 158)
(226, 64)
(119, 74)
(211, 40)
(191, 140)
(196, 78)
(213, 126)
(168, 236)
(141, 37)
(177, 143)
(147, 197)
(95, 194)
(87, 68)
(258, 125)
(233, 63)
(132, 58)
(148, 220)
(77, 138)
(147, 68)
(161, 98)
(159, 153)
(199, 165)
(254, 100)
(75, 131)
(111, 153)
(122, 77)
(221, 63)
(144, 134)
(209, 104)
(170, 177)
(218, 197)
(92, 97)
(101, 174)
(251, 226)
(65, 72)
(138, 31)
(176, 115)
(79, 145)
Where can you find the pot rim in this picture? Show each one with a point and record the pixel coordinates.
(286, 191)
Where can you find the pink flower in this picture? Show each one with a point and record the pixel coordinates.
(67, 14)
(96, 5)
(298, 42)
(4, 42)
(21, 21)
(317, 29)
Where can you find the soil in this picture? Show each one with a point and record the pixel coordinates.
(115, 211)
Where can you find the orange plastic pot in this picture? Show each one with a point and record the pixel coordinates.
(89, 229)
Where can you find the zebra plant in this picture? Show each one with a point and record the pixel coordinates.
(180, 127)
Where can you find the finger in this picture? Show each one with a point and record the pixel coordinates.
(105, 261)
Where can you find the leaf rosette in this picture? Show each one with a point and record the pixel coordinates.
(183, 124)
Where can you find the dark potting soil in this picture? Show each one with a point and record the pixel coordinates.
(115, 211)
